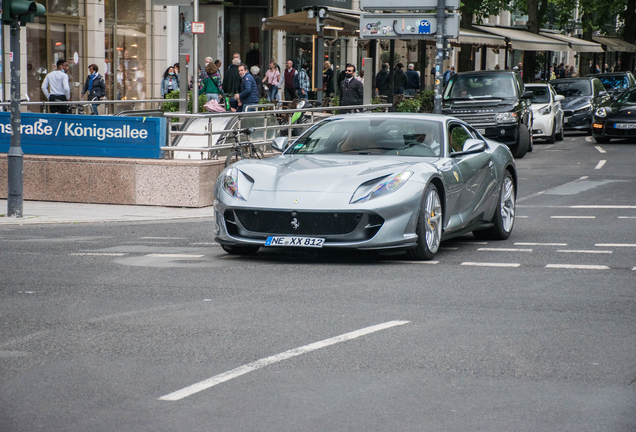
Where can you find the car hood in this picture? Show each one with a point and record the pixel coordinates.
(575, 102)
(324, 173)
(623, 110)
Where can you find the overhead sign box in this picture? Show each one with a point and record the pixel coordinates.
(392, 5)
(406, 26)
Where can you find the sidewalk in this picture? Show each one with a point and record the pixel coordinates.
(44, 212)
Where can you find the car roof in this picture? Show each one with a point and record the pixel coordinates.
(587, 78)
(395, 115)
(609, 74)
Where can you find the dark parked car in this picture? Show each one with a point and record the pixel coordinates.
(616, 81)
(496, 104)
(616, 118)
(582, 96)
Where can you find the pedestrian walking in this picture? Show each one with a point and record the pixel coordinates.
(212, 83)
(272, 81)
(56, 87)
(249, 93)
(170, 82)
(382, 84)
(412, 81)
(232, 79)
(289, 76)
(351, 89)
(303, 82)
(255, 71)
(94, 86)
(399, 79)
(327, 79)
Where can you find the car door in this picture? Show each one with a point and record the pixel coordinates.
(478, 176)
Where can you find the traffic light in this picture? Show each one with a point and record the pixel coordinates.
(22, 10)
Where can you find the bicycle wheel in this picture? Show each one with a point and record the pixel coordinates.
(233, 157)
(257, 153)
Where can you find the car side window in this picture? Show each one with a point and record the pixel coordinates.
(458, 136)
(598, 87)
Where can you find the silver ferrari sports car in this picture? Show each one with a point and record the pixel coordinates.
(372, 181)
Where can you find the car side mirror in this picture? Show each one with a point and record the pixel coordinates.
(527, 95)
(471, 146)
(568, 113)
(280, 144)
(559, 98)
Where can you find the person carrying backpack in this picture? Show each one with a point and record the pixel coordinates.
(290, 80)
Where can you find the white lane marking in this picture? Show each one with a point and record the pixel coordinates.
(602, 207)
(614, 245)
(578, 266)
(485, 264)
(541, 244)
(600, 164)
(627, 217)
(588, 139)
(600, 150)
(158, 255)
(98, 254)
(258, 364)
(504, 250)
(448, 248)
(573, 217)
(634, 269)
(521, 217)
(586, 251)
(544, 191)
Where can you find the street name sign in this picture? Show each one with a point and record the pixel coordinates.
(406, 26)
(392, 5)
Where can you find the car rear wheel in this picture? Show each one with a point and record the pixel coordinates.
(602, 140)
(504, 218)
(429, 226)
(240, 250)
(523, 143)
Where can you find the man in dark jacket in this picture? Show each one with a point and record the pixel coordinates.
(249, 90)
(351, 90)
(412, 81)
(232, 79)
(399, 79)
(382, 84)
(94, 86)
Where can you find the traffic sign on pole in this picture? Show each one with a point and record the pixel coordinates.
(406, 26)
(404, 5)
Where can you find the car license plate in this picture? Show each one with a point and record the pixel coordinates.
(482, 131)
(625, 125)
(295, 241)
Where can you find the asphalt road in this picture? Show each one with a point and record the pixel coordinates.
(152, 327)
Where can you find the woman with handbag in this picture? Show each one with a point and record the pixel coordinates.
(212, 83)
(272, 81)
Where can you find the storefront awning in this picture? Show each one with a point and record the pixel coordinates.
(340, 21)
(614, 44)
(526, 41)
(474, 37)
(578, 45)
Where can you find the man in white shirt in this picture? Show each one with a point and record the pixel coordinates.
(56, 87)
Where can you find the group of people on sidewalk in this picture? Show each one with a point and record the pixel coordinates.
(406, 83)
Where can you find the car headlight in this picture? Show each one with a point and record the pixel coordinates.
(230, 183)
(602, 112)
(506, 117)
(377, 188)
(545, 110)
(587, 107)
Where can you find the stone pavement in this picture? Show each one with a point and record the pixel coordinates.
(46, 212)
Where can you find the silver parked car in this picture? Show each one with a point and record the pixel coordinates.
(370, 182)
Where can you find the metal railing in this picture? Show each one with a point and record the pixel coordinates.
(86, 104)
(286, 114)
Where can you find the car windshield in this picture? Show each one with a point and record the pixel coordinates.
(371, 136)
(573, 88)
(614, 82)
(491, 86)
(540, 95)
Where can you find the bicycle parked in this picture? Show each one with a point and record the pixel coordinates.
(237, 153)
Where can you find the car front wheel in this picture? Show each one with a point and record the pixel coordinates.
(429, 226)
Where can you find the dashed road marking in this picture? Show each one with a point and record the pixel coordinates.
(627, 217)
(98, 254)
(448, 248)
(600, 164)
(573, 217)
(578, 266)
(521, 217)
(541, 244)
(486, 264)
(602, 207)
(600, 149)
(158, 255)
(586, 251)
(258, 364)
(614, 245)
(589, 139)
(504, 250)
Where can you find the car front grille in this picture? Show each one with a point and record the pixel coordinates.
(259, 224)
(477, 119)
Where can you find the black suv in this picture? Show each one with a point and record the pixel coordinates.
(496, 104)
